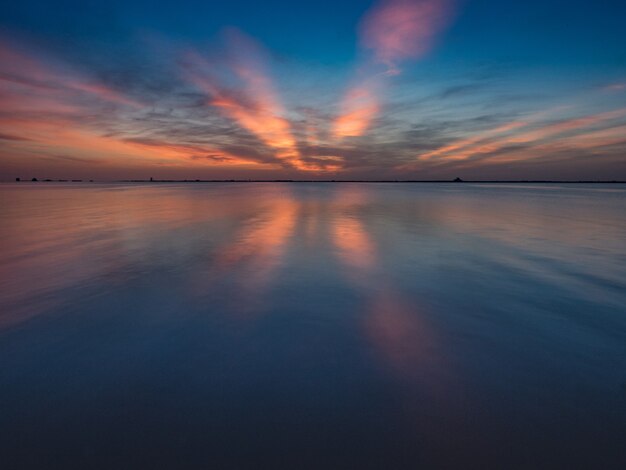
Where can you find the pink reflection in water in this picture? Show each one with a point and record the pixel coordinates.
(57, 237)
(393, 323)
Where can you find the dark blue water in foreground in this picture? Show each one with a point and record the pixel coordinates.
(312, 326)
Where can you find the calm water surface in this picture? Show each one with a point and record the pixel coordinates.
(260, 325)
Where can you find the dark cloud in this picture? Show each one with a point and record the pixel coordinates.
(4, 136)
(460, 90)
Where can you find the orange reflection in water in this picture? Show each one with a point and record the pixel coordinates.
(354, 247)
(60, 237)
(392, 322)
(259, 249)
(264, 237)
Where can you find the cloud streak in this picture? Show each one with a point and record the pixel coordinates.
(502, 138)
(393, 31)
(255, 105)
(228, 108)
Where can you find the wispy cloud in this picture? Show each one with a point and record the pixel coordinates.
(503, 137)
(397, 30)
(48, 108)
(360, 105)
(229, 104)
(24, 71)
(393, 31)
(621, 86)
(255, 105)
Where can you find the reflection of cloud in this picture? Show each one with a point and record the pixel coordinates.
(354, 247)
(98, 237)
(259, 248)
(393, 327)
(392, 323)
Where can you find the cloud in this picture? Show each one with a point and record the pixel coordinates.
(615, 87)
(235, 110)
(4, 136)
(493, 141)
(397, 30)
(255, 105)
(391, 32)
(25, 70)
(358, 108)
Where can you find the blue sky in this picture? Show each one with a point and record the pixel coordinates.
(405, 89)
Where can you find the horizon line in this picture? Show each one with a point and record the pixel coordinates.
(283, 180)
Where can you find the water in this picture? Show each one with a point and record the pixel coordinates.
(258, 325)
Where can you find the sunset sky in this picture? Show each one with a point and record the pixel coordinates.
(391, 89)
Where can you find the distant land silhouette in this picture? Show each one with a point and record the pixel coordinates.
(455, 180)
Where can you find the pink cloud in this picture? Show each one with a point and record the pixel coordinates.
(397, 30)
(25, 70)
(570, 132)
(616, 87)
(254, 105)
(393, 31)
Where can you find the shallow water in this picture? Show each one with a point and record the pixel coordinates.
(262, 325)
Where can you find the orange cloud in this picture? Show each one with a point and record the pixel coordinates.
(358, 109)
(44, 110)
(593, 141)
(62, 136)
(464, 143)
(256, 106)
(394, 30)
(484, 144)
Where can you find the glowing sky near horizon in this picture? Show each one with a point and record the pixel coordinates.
(389, 89)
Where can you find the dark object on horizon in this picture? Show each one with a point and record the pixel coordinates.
(17, 180)
(151, 179)
(47, 180)
(457, 180)
(91, 181)
(34, 179)
(77, 181)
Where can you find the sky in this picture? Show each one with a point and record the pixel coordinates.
(388, 89)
